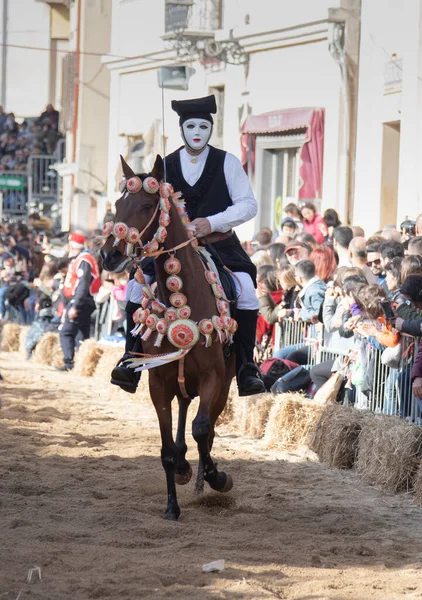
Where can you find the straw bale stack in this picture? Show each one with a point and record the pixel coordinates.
(22, 338)
(227, 416)
(389, 453)
(10, 337)
(108, 360)
(257, 410)
(87, 357)
(336, 435)
(48, 351)
(290, 420)
(418, 485)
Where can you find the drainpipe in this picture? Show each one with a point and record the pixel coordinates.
(75, 116)
(4, 55)
(337, 51)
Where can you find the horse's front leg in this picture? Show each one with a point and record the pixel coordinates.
(202, 431)
(183, 469)
(169, 453)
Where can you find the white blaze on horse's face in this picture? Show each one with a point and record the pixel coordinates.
(196, 133)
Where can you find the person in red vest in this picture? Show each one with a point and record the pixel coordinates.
(81, 284)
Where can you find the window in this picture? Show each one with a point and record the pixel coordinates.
(194, 15)
(278, 176)
(218, 130)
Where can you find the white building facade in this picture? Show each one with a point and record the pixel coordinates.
(388, 180)
(290, 74)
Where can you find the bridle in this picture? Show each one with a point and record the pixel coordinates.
(135, 249)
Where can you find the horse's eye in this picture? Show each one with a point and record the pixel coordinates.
(146, 208)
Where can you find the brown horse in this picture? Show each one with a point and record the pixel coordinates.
(206, 372)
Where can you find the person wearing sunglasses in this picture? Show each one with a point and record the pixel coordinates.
(373, 261)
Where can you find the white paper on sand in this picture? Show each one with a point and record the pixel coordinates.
(214, 567)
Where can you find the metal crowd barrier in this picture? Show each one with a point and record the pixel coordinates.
(386, 390)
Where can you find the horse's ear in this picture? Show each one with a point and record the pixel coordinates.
(127, 171)
(158, 169)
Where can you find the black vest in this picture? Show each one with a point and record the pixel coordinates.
(209, 195)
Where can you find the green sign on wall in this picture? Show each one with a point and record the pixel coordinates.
(11, 182)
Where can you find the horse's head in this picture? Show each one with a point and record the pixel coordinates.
(137, 208)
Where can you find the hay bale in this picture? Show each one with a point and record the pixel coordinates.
(227, 415)
(87, 357)
(48, 351)
(22, 338)
(389, 453)
(336, 434)
(108, 360)
(418, 485)
(290, 420)
(10, 337)
(257, 410)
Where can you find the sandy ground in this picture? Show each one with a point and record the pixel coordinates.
(82, 494)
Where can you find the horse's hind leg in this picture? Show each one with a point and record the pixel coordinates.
(169, 452)
(202, 433)
(183, 469)
(216, 410)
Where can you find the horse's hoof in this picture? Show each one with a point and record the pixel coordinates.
(172, 514)
(183, 478)
(228, 485)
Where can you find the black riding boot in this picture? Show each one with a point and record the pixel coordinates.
(122, 375)
(249, 380)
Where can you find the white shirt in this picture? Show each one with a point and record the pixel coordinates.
(244, 203)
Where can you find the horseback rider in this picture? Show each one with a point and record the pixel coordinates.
(218, 197)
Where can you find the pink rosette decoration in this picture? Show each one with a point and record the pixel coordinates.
(165, 204)
(145, 302)
(206, 327)
(171, 315)
(122, 185)
(217, 290)
(184, 312)
(158, 306)
(218, 326)
(178, 300)
(194, 243)
(211, 277)
(185, 220)
(162, 328)
(108, 228)
(174, 283)
(134, 184)
(139, 276)
(120, 232)
(172, 266)
(161, 234)
(166, 189)
(139, 317)
(151, 323)
(150, 185)
(183, 334)
(164, 219)
(151, 247)
(222, 306)
(147, 292)
(132, 236)
(180, 209)
(154, 287)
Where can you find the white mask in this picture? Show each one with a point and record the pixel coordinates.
(196, 133)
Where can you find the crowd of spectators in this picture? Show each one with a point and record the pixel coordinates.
(363, 292)
(19, 140)
(33, 266)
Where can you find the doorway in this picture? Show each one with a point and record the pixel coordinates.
(390, 172)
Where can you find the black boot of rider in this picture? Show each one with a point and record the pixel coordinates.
(249, 380)
(122, 375)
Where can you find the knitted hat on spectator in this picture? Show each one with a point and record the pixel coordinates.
(412, 287)
(77, 240)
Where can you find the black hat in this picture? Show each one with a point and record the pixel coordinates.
(197, 108)
(412, 287)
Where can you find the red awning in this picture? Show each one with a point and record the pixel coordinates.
(311, 151)
(278, 121)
